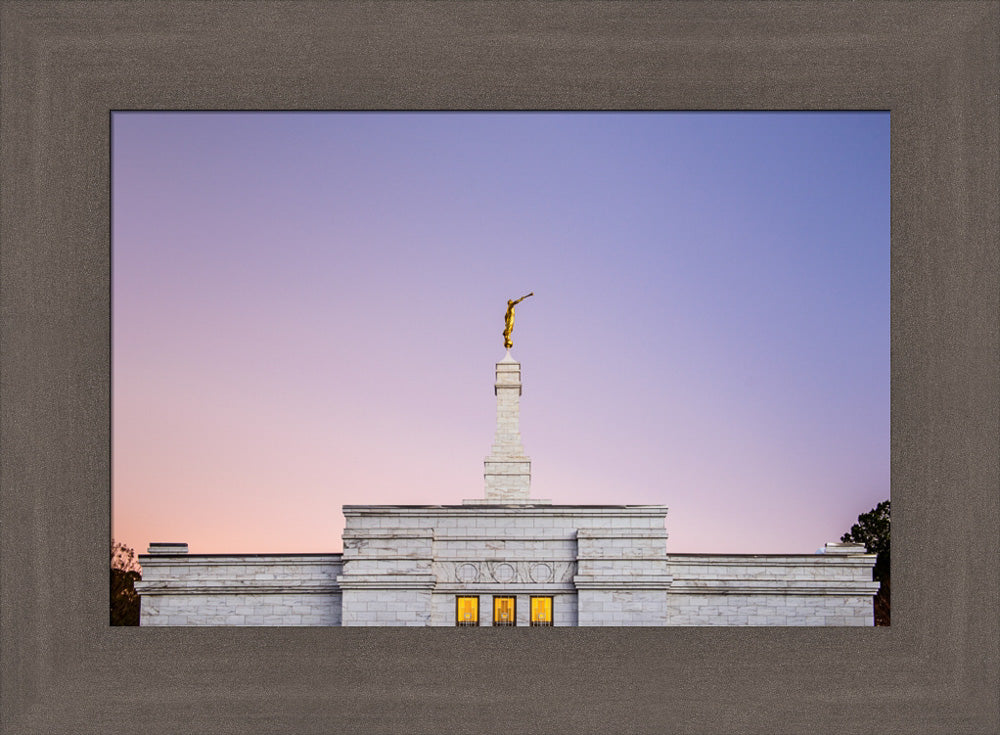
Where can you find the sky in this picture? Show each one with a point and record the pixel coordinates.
(307, 310)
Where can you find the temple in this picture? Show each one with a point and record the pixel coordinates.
(506, 559)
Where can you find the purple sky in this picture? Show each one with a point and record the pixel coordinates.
(307, 309)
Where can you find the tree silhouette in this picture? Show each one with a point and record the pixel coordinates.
(872, 530)
(125, 572)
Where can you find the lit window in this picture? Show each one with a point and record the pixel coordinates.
(541, 611)
(503, 611)
(466, 611)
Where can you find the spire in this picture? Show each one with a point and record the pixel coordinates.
(507, 468)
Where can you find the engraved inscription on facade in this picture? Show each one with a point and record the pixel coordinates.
(505, 572)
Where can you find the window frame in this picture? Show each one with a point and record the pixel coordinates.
(513, 620)
(552, 612)
(458, 622)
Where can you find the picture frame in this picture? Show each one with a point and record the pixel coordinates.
(66, 66)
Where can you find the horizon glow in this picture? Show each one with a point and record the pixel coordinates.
(307, 309)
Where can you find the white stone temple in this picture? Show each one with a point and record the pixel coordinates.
(509, 560)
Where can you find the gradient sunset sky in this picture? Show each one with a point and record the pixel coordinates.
(307, 309)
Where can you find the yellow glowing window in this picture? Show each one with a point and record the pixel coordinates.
(541, 611)
(467, 611)
(503, 611)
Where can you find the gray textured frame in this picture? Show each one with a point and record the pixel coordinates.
(63, 66)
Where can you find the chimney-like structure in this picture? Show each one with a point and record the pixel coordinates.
(507, 469)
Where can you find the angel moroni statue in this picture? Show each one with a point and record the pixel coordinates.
(508, 320)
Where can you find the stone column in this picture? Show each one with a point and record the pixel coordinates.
(507, 468)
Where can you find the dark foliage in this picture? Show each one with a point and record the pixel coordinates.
(872, 530)
(125, 572)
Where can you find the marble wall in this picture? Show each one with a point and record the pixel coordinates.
(247, 589)
(602, 565)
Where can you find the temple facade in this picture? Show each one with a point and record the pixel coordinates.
(506, 559)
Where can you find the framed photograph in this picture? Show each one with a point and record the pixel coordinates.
(306, 317)
(65, 67)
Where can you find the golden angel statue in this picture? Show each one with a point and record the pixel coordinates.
(509, 320)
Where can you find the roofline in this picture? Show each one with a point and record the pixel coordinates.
(503, 506)
(815, 553)
(217, 556)
(340, 554)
